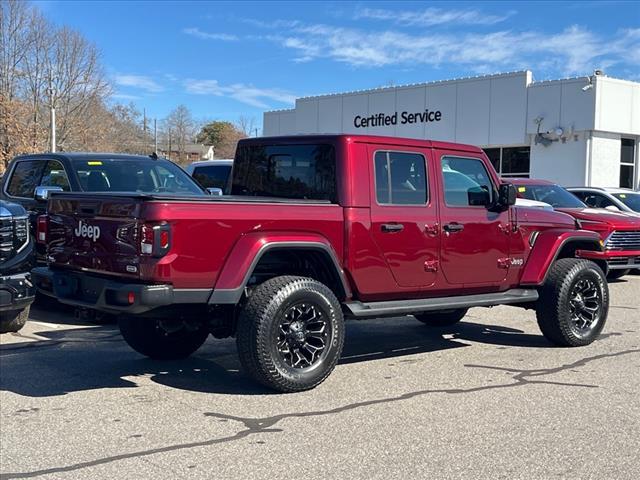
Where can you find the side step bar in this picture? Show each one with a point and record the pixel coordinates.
(407, 307)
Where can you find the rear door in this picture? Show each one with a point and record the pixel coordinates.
(475, 241)
(404, 215)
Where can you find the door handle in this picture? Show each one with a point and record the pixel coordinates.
(453, 227)
(392, 227)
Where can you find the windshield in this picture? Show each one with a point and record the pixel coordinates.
(554, 195)
(134, 175)
(631, 200)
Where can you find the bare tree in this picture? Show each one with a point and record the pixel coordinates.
(75, 81)
(15, 42)
(179, 130)
(247, 125)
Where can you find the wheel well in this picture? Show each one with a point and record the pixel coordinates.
(569, 249)
(306, 262)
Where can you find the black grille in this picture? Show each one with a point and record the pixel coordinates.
(14, 234)
(6, 238)
(624, 241)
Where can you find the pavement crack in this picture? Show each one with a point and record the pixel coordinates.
(253, 425)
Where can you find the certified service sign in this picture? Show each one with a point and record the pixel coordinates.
(406, 118)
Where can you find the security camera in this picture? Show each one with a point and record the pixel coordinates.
(589, 86)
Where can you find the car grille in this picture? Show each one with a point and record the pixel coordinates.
(624, 241)
(14, 235)
(6, 238)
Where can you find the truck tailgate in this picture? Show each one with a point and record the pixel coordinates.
(95, 233)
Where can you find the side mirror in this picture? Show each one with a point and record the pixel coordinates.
(478, 197)
(507, 195)
(214, 191)
(613, 208)
(41, 193)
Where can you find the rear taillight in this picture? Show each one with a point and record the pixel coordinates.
(155, 240)
(42, 229)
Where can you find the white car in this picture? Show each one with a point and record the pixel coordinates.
(211, 173)
(616, 199)
(525, 202)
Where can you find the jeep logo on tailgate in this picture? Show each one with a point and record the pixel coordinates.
(84, 230)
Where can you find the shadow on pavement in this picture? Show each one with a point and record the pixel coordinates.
(81, 359)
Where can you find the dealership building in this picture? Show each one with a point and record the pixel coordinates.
(576, 131)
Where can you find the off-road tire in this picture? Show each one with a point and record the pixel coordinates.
(443, 318)
(616, 274)
(553, 309)
(148, 337)
(13, 320)
(259, 325)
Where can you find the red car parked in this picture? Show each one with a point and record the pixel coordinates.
(619, 231)
(316, 229)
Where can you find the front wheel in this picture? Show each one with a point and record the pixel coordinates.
(14, 320)
(290, 333)
(443, 318)
(574, 303)
(162, 339)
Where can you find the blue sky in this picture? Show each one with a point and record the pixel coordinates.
(226, 59)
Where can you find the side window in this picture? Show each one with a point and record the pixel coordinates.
(595, 200)
(55, 176)
(461, 176)
(25, 178)
(212, 175)
(400, 178)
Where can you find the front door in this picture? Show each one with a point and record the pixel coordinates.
(404, 217)
(475, 241)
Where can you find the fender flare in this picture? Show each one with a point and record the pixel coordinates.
(248, 251)
(546, 249)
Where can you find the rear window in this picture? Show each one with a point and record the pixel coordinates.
(212, 176)
(133, 175)
(285, 171)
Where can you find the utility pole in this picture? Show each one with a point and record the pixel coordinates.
(52, 115)
(144, 120)
(155, 136)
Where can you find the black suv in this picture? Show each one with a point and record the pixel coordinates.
(16, 260)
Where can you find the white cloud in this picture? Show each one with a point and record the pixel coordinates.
(572, 51)
(124, 96)
(196, 32)
(139, 81)
(432, 16)
(241, 92)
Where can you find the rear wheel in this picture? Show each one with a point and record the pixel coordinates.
(14, 320)
(574, 303)
(290, 333)
(442, 318)
(616, 274)
(163, 339)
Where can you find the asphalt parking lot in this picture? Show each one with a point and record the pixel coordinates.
(488, 398)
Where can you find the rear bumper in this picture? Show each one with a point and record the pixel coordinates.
(616, 260)
(16, 292)
(89, 291)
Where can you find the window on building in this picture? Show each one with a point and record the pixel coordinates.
(627, 162)
(400, 178)
(510, 161)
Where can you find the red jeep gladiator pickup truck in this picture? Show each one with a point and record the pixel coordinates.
(317, 229)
